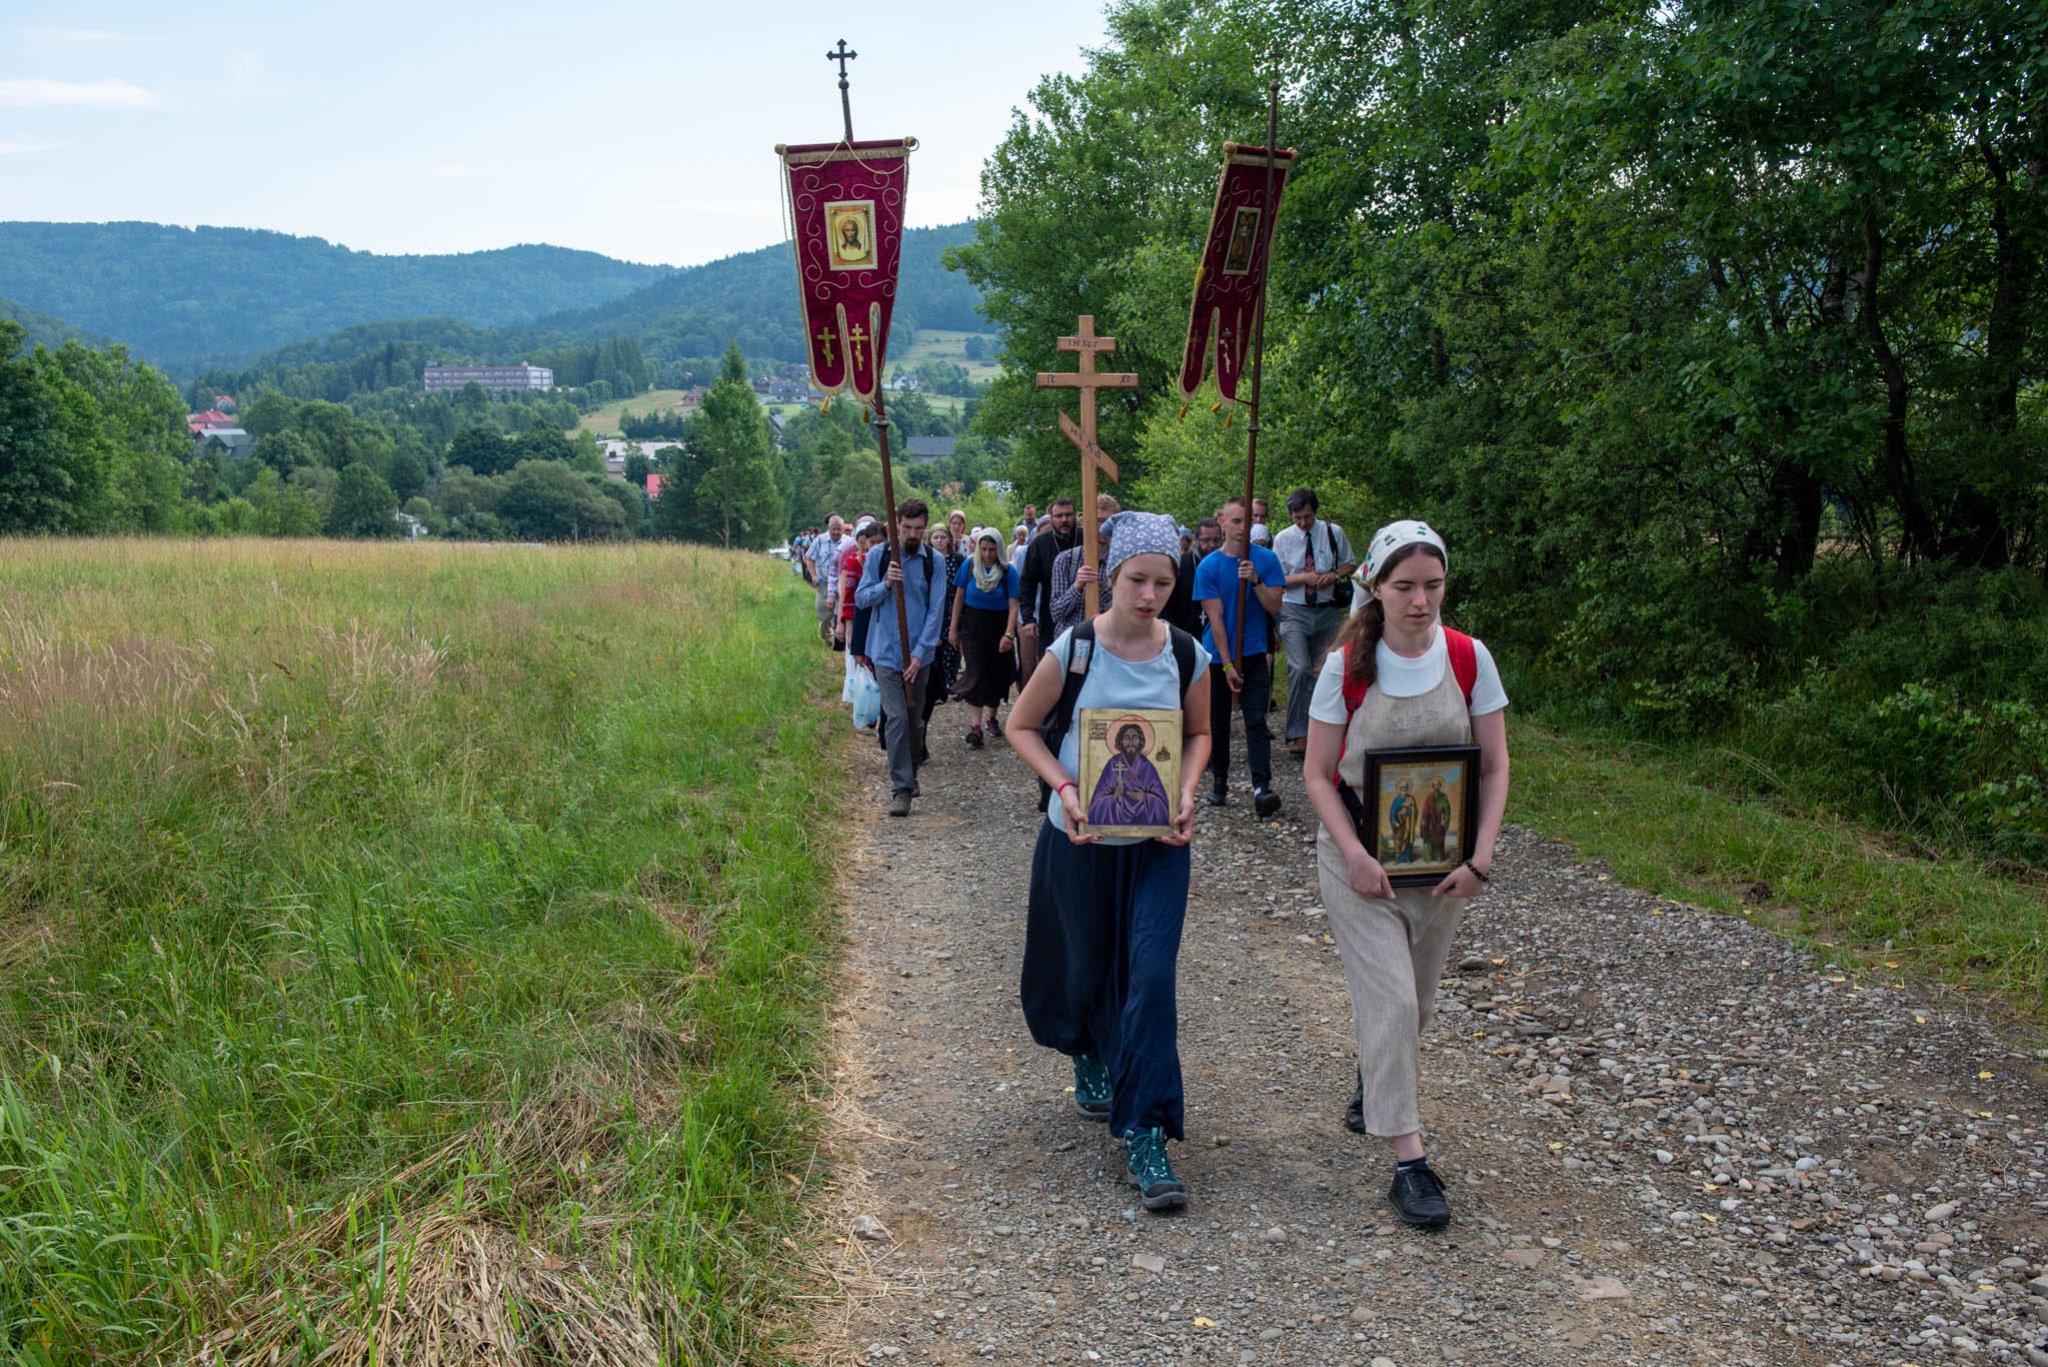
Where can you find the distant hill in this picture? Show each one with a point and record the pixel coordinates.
(183, 297)
(47, 331)
(688, 315)
(751, 298)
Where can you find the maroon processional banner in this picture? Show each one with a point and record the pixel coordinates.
(1231, 281)
(845, 202)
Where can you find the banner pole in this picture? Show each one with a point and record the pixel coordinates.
(1251, 456)
(843, 55)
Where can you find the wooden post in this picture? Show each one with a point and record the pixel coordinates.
(1087, 379)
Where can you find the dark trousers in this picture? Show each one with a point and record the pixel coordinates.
(1258, 736)
(1101, 938)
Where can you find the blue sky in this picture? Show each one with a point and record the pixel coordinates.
(639, 130)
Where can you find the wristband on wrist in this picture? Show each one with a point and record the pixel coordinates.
(1481, 874)
(1061, 791)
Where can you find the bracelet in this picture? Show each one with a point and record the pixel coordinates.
(1481, 874)
(1061, 791)
(1229, 668)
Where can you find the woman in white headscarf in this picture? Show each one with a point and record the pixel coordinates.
(1398, 678)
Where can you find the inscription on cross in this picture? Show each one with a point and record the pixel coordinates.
(1088, 379)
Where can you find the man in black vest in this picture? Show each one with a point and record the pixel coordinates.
(1034, 583)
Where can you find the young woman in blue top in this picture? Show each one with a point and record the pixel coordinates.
(1103, 921)
(984, 618)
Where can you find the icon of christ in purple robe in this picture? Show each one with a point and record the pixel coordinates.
(1130, 791)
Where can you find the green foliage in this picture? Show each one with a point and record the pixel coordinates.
(1709, 336)
(362, 505)
(546, 500)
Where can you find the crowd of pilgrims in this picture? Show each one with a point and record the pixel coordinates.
(998, 619)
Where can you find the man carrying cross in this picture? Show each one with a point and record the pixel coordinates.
(901, 672)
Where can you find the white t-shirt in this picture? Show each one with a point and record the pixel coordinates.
(1400, 677)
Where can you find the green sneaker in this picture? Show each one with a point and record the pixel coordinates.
(1145, 1160)
(1091, 1086)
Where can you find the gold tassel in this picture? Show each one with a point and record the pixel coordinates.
(867, 415)
(1184, 412)
(1227, 417)
(826, 407)
(1216, 407)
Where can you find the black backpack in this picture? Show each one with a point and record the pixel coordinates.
(1055, 727)
(928, 557)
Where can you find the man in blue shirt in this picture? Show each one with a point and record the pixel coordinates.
(903, 679)
(1249, 679)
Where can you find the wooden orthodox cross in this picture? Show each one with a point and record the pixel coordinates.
(1087, 379)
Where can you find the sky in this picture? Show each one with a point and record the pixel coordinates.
(643, 131)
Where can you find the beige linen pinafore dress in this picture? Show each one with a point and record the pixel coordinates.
(1393, 952)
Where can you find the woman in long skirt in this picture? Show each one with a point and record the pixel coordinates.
(1399, 678)
(946, 660)
(984, 617)
(1104, 915)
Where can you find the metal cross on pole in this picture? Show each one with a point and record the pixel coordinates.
(843, 56)
(859, 339)
(1087, 379)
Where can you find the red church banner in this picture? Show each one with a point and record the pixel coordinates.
(1231, 280)
(845, 203)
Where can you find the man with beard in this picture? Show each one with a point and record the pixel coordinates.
(1034, 583)
(900, 667)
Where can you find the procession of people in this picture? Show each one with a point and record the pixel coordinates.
(1397, 721)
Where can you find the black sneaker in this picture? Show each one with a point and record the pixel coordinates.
(1217, 798)
(1418, 1197)
(1354, 1114)
(1264, 800)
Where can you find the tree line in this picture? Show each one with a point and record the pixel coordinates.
(1711, 334)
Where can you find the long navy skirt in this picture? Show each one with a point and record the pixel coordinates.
(1101, 937)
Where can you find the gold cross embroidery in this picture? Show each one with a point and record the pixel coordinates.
(857, 340)
(825, 336)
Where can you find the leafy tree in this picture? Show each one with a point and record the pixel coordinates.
(734, 481)
(363, 504)
(545, 500)
(408, 475)
(637, 468)
(481, 450)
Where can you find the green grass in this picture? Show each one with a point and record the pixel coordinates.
(603, 420)
(936, 345)
(1657, 818)
(400, 942)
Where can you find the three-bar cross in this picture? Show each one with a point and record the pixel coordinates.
(1087, 379)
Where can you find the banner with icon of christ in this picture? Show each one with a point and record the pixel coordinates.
(1230, 283)
(846, 204)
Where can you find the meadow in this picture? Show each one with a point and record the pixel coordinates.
(407, 953)
(603, 421)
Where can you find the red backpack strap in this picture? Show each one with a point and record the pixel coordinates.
(1464, 661)
(1354, 688)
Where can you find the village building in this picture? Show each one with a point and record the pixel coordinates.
(499, 379)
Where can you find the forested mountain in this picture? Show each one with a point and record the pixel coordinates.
(181, 297)
(43, 330)
(683, 321)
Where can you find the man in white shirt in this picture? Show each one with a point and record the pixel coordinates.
(824, 552)
(1316, 556)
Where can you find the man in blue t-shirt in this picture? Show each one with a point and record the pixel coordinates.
(1247, 678)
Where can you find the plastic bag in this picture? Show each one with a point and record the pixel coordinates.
(867, 698)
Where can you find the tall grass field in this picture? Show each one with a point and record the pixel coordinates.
(408, 954)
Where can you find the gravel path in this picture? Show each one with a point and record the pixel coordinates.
(1667, 1136)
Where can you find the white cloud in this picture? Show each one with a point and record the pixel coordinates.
(244, 64)
(22, 146)
(42, 93)
(454, 170)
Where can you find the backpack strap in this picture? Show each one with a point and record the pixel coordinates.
(1080, 649)
(1183, 657)
(1464, 660)
(928, 556)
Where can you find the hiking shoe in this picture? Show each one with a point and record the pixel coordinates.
(1264, 800)
(1217, 798)
(974, 737)
(1149, 1171)
(1418, 1197)
(899, 805)
(1354, 1114)
(1091, 1086)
